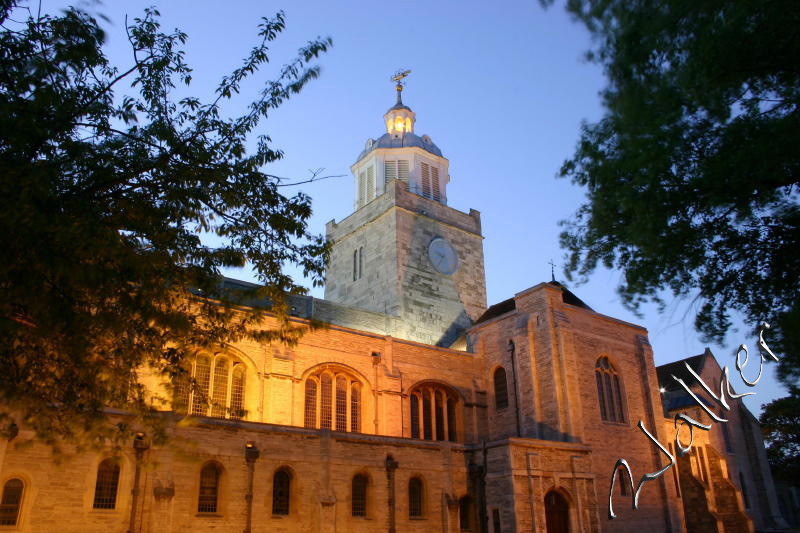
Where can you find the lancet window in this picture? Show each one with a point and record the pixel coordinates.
(609, 393)
(333, 401)
(207, 500)
(219, 389)
(11, 501)
(434, 412)
(105, 490)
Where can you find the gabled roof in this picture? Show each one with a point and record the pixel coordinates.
(506, 306)
(678, 369)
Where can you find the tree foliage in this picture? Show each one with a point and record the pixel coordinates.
(780, 424)
(105, 196)
(692, 173)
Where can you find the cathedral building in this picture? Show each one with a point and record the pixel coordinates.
(417, 409)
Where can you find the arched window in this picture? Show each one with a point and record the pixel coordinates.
(359, 495)
(415, 499)
(355, 407)
(414, 416)
(500, 389)
(219, 389)
(338, 404)
(311, 404)
(209, 489)
(105, 489)
(280, 492)
(237, 392)
(360, 262)
(11, 502)
(608, 391)
(355, 264)
(434, 412)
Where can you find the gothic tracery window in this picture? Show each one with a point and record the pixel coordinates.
(434, 412)
(338, 404)
(609, 392)
(219, 389)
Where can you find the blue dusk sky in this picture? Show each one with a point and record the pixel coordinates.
(501, 87)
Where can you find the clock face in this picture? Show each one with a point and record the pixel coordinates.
(442, 255)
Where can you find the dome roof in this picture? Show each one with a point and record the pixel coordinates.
(403, 140)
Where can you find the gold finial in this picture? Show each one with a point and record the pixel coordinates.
(398, 77)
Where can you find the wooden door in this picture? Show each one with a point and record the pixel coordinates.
(556, 511)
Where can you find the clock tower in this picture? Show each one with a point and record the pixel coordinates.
(403, 252)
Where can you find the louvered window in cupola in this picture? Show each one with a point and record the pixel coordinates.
(426, 180)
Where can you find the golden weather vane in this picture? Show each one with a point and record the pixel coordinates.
(398, 78)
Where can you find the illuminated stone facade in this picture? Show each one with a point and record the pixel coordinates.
(512, 423)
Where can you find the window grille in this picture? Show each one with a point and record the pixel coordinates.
(212, 390)
(105, 489)
(339, 397)
(414, 416)
(415, 497)
(202, 376)
(237, 392)
(355, 405)
(325, 402)
(220, 392)
(209, 486)
(609, 391)
(341, 404)
(370, 183)
(182, 389)
(280, 492)
(437, 399)
(435, 180)
(500, 389)
(11, 502)
(389, 171)
(311, 404)
(359, 495)
(426, 180)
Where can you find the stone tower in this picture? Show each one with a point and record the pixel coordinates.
(403, 251)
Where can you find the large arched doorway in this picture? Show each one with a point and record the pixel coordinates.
(556, 511)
